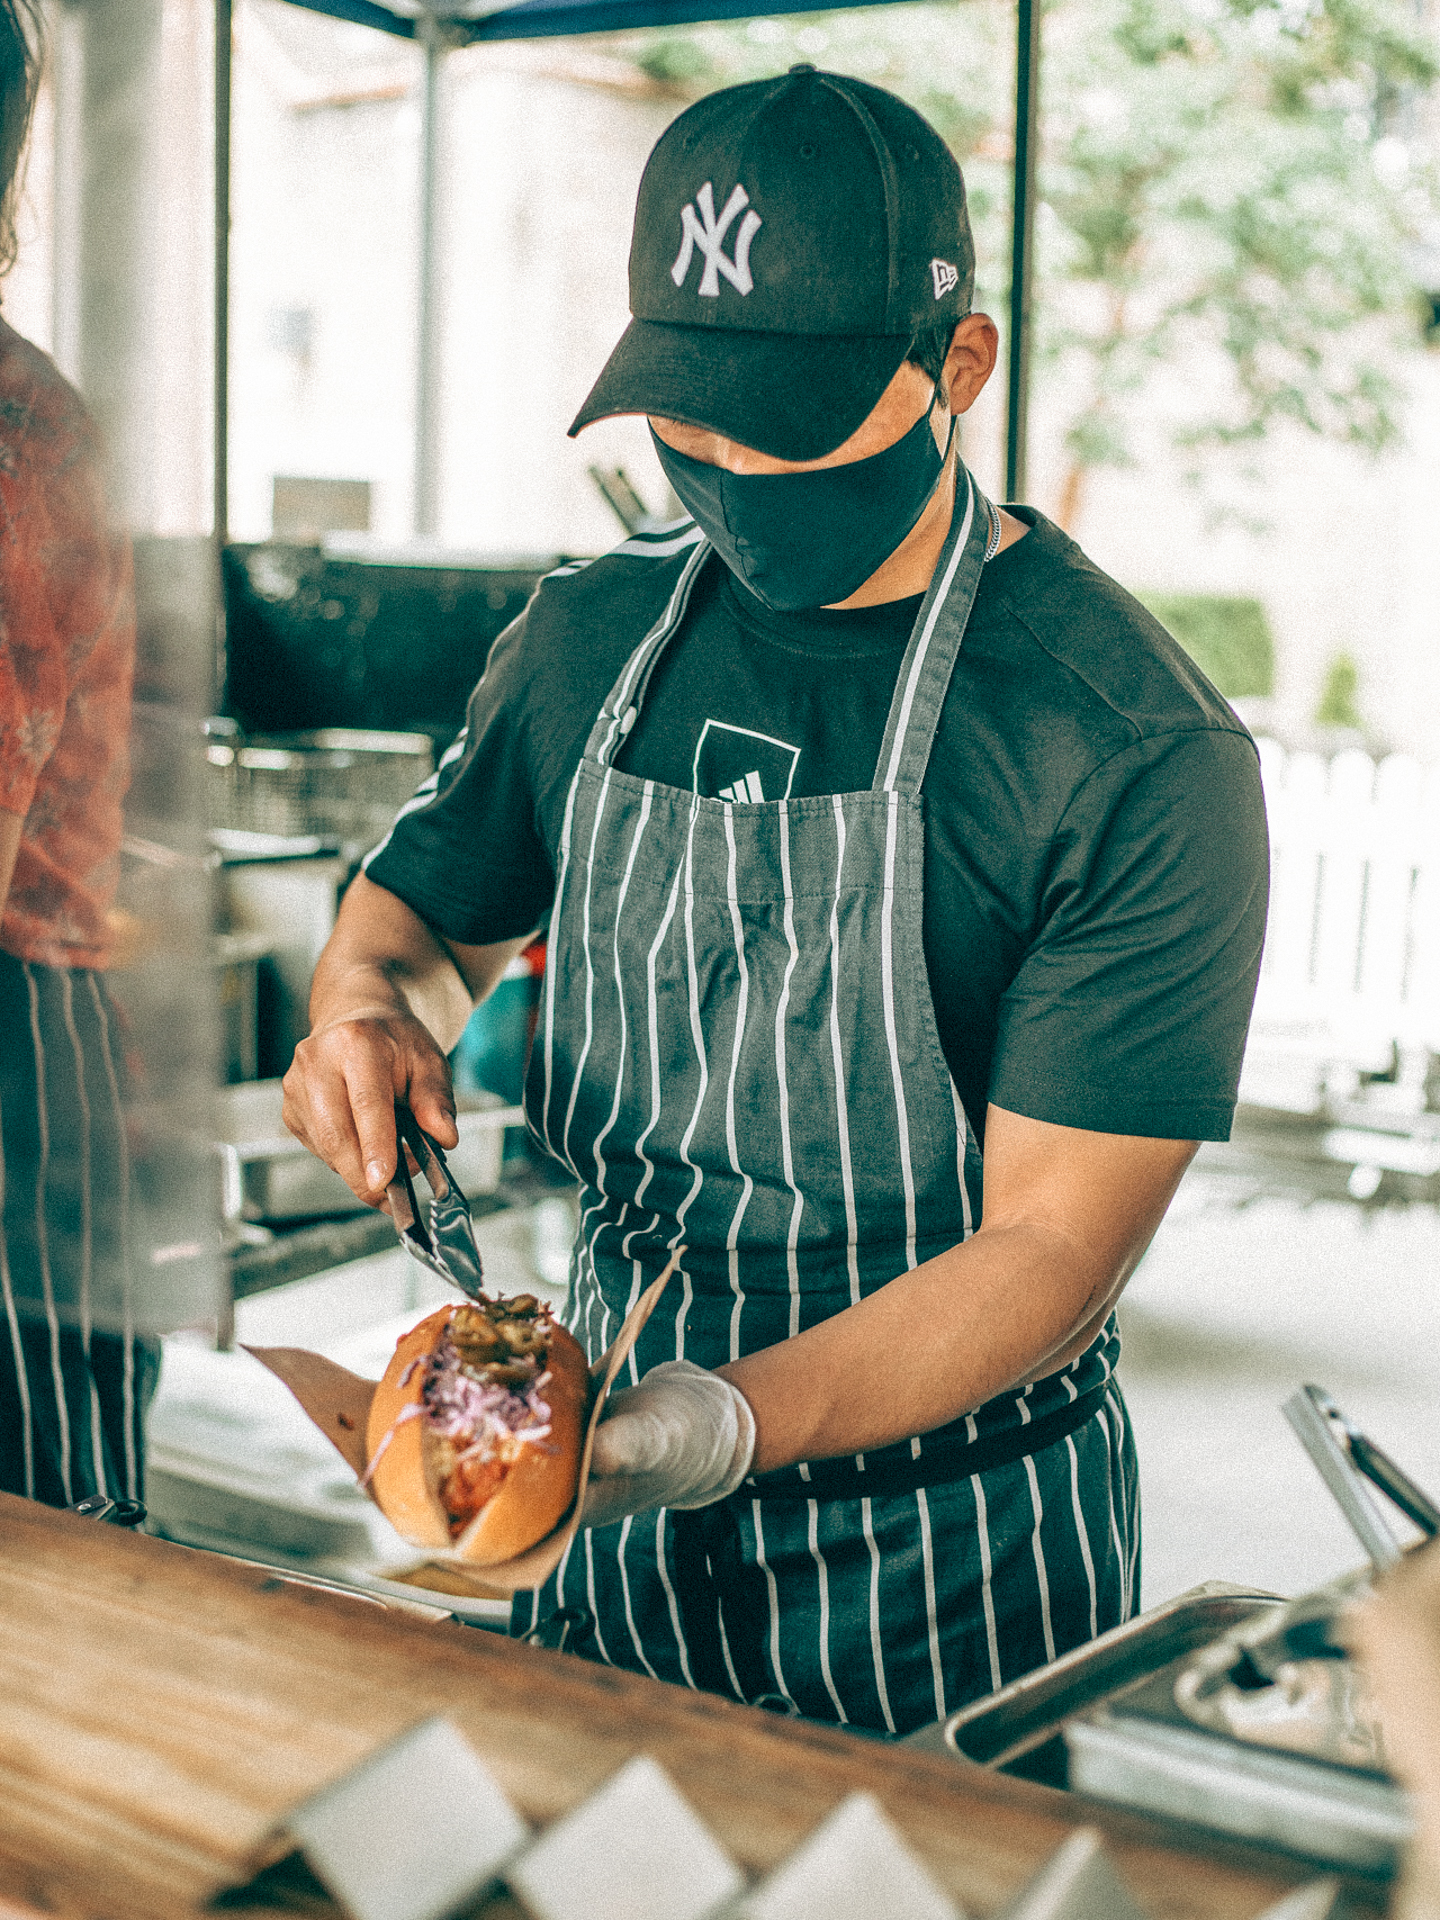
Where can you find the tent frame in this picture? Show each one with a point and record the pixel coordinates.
(437, 33)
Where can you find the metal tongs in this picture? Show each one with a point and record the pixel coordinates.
(447, 1244)
(1351, 1464)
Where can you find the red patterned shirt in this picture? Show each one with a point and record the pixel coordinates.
(67, 658)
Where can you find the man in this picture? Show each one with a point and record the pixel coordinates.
(836, 906)
(74, 1378)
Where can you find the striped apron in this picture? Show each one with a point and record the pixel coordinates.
(75, 1379)
(738, 1052)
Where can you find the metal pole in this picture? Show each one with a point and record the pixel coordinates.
(431, 36)
(224, 42)
(1022, 240)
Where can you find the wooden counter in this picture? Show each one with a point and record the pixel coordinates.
(161, 1707)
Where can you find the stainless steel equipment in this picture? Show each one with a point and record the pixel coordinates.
(1340, 1817)
(1269, 1734)
(1020, 1728)
(1351, 1464)
(344, 784)
(273, 1178)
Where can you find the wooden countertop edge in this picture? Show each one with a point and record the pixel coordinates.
(981, 1832)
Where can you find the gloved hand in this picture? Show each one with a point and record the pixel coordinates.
(683, 1438)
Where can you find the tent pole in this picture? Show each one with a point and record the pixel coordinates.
(431, 36)
(220, 432)
(1022, 241)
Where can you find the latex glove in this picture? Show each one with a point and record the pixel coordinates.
(683, 1438)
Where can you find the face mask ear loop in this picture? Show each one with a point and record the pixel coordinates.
(950, 446)
(952, 443)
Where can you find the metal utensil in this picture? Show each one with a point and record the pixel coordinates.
(117, 1513)
(1377, 1466)
(446, 1245)
(1350, 1464)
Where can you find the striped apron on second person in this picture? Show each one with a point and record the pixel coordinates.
(738, 1052)
(75, 1378)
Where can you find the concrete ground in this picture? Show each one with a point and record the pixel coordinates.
(1229, 1313)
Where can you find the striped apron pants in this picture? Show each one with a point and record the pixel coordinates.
(738, 1053)
(74, 1378)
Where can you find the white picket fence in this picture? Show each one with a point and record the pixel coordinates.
(1352, 954)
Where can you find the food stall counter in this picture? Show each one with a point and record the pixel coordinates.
(162, 1709)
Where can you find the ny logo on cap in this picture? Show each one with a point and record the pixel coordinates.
(945, 277)
(710, 238)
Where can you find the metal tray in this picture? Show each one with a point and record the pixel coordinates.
(278, 1179)
(1019, 1728)
(1333, 1815)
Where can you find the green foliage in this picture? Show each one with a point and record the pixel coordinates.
(1228, 638)
(1222, 186)
(1338, 695)
(1219, 192)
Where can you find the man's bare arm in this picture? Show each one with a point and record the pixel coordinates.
(12, 825)
(389, 1001)
(1068, 1215)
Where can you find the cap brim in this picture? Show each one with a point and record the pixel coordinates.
(795, 396)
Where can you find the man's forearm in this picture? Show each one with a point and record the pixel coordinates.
(382, 959)
(1068, 1215)
(932, 1345)
(389, 1001)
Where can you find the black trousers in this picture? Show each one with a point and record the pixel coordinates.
(75, 1380)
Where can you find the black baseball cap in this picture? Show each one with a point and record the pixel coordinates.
(792, 236)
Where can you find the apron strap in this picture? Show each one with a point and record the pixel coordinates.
(924, 674)
(621, 708)
(935, 643)
(896, 1471)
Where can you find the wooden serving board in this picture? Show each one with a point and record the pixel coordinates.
(161, 1708)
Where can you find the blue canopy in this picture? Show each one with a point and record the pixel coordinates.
(539, 19)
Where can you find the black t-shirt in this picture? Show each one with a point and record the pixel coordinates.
(1096, 855)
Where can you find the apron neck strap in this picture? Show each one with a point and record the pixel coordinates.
(935, 643)
(622, 704)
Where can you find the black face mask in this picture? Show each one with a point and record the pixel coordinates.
(810, 539)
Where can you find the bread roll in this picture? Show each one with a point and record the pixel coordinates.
(475, 1432)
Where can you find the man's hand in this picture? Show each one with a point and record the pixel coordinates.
(342, 1086)
(389, 1001)
(683, 1438)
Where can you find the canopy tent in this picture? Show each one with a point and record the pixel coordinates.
(539, 19)
(437, 31)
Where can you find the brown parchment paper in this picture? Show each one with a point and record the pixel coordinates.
(338, 1401)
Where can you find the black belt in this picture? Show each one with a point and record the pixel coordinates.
(938, 1464)
(705, 1541)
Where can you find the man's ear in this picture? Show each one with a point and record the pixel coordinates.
(974, 348)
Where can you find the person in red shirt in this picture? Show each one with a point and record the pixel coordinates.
(74, 1379)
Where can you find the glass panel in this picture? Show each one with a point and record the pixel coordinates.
(111, 1228)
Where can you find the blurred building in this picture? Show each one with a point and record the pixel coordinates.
(541, 147)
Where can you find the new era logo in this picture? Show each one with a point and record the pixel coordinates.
(708, 234)
(945, 277)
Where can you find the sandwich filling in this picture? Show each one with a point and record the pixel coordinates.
(482, 1400)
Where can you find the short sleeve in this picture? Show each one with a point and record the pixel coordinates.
(466, 854)
(33, 677)
(1130, 1009)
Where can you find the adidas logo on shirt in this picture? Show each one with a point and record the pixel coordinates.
(747, 790)
(742, 765)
